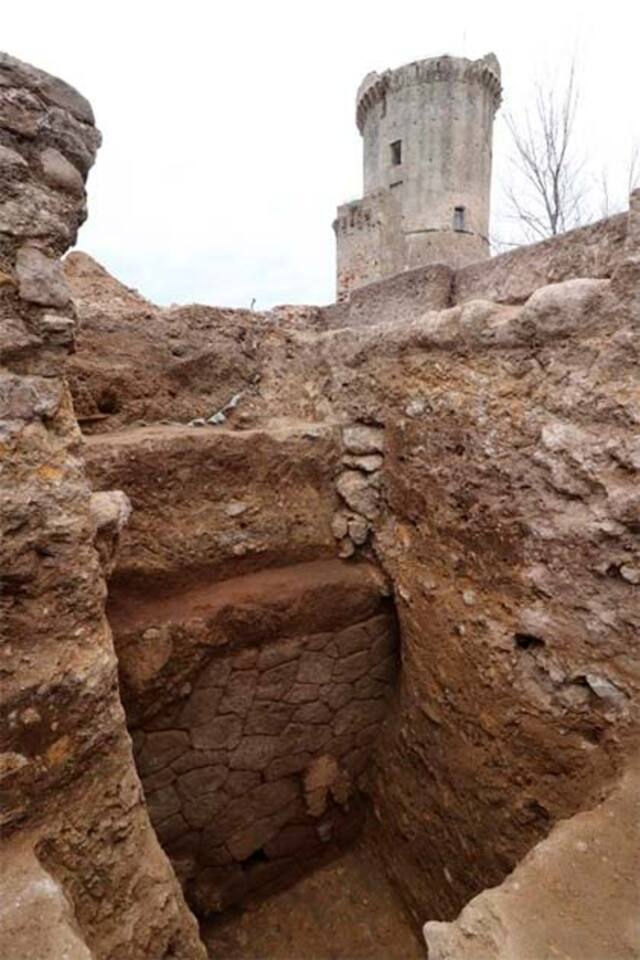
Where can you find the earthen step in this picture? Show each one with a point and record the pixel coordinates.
(206, 497)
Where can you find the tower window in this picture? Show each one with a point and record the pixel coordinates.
(458, 218)
(396, 153)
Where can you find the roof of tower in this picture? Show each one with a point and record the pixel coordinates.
(374, 87)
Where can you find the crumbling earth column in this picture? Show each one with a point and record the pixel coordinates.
(83, 875)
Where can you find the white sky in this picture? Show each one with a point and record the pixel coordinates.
(229, 133)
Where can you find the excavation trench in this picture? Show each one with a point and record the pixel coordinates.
(289, 767)
(313, 800)
(473, 431)
(255, 705)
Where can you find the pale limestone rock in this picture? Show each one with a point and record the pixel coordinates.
(347, 548)
(16, 339)
(110, 508)
(29, 398)
(359, 530)
(560, 308)
(359, 493)
(362, 439)
(41, 279)
(367, 463)
(57, 331)
(11, 158)
(416, 407)
(60, 173)
(340, 525)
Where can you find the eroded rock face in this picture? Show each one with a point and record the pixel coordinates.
(83, 873)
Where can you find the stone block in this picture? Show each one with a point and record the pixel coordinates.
(317, 712)
(171, 830)
(318, 641)
(286, 765)
(368, 688)
(223, 733)
(299, 737)
(16, 339)
(359, 493)
(277, 681)
(57, 331)
(361, 439)
(269, 718)
(29, 398)
(367, 735)
(352, 667)
(41, 279)
(295, 840)
(206, 810)
(359, 529)
(352, 639)
(314, 668)
(193, 759)
(279, 652)
(254, 753)
(239, 693)
(215, 673)
(357, 715)
(270, 797)
(60, 173)
(337, 694)
(163, 803)
(241, 782)
(160, 749)
(202, 780)
(303, 693)
(201, 707)
(385, 670)
(252, 836)
(368, 463)
(11, 160)
(245, 659)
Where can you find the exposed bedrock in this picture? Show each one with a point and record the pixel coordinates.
(83, 874)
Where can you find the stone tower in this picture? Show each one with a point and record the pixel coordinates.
(427, 131)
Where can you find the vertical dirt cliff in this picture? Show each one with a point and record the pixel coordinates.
(83, 874)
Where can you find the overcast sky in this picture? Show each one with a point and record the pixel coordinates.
(229, 134)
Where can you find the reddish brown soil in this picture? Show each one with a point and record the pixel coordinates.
(345, 910)
(201, 597)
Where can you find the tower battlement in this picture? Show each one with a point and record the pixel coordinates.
(427, 134)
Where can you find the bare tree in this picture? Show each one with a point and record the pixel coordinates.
(633, 177)
(549, 193)
(609, 206)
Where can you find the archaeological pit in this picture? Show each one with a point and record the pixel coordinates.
(318, 624)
